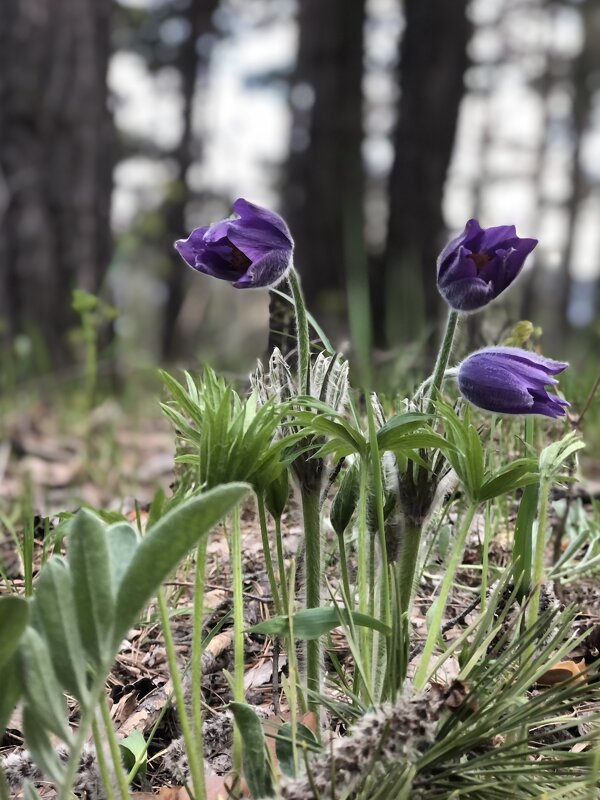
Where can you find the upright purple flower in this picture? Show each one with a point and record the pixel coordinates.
(509, 380)
(251, 251)
(478, 265)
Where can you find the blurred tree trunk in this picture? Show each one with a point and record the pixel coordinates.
(56, 158)
(323, 186)
(433, 60)
(586, 64)
(190, 64)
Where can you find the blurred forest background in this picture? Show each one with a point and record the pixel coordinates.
(376, 127)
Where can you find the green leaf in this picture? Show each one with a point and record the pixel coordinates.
(401, 424)
(42, 689)
(257, 771)
(54, 616)
(14, 613)
(134, 749)
(93, 586)
(514, 476)
(522, 555)
(554, 456)
(284, 746)
(12, 689)
(123, 540)
(165, 544)
(314, 622)
(40, 745)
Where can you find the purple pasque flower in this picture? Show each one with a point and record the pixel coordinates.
(474, 268)
(251, 251)
(509, 380)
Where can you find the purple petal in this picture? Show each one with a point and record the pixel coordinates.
(253, 214)
(509, 380)
(493, 238)
(267, 271)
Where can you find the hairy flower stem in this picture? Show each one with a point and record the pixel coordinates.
(540, 549)
(442, 360)
(344, 571)
(362, 576)
(196, 665)
(281, 565)
(85, 721)
(102, 763)
(266, 546)
(113, 747)
(409, 558)
(302, 335)
(439, 606)
(195, 760)
(380, 650)
(238, 630)
(311, 514)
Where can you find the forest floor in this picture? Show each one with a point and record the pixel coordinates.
(118, 466)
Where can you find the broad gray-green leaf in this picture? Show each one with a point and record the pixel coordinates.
(55, 617)
(314, 622)
(42, 689)
(93, 586)
(165, 544)
(14, 613)
(257, 771)
(123, 540)
(12, 689)
(42, 750)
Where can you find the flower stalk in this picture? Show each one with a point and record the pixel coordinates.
(442, 360)
(439, 606)
(302, 333)
(311, 515)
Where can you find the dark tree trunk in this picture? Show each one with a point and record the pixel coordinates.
(323, 187)
(190, 65)
(586, 64)
(56, 158)
(433, 59)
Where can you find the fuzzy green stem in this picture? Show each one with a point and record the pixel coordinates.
(85, 721)
(113, 746)
(311, 514)
(191, 746)
(407, 566)
(196, 665)
(540, 548)
(281, 564)
(102, 763)
(442, 599)
(442, 360)
(378, 490)
(344, 571)
(363, 594)
(266, 546)
(235, 549)
(302, 334)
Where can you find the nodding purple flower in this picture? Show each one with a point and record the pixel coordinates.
(251, 251)
(474, 268)
(508, 380)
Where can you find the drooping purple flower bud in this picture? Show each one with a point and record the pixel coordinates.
(508, 380)
(474, 268)
(251, 251)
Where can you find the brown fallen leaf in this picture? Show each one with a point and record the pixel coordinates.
(563, 671)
